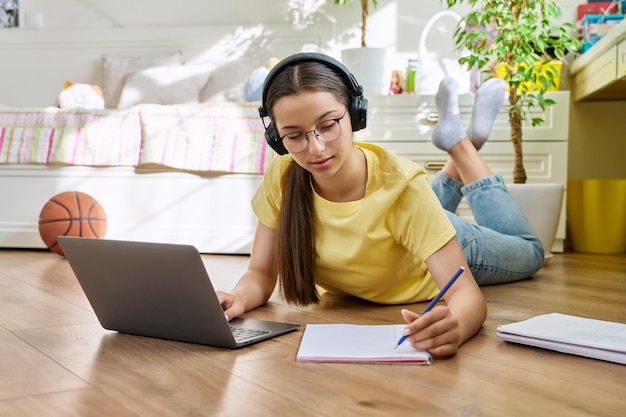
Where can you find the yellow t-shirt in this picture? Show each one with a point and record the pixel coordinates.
(373, 248)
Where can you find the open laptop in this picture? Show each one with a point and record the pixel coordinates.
(158, 290)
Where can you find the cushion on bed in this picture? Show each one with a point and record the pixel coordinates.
(116, 68)
(227, 81)
(164, 85)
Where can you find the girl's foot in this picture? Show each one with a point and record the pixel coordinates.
(488, 102)
(449, 130)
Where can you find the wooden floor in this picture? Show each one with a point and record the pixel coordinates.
(56, 360)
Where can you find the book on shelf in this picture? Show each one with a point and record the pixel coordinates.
(597, 339)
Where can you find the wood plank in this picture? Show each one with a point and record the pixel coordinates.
(25, 306)
(44, 270)
(86, 402)
(28, 372)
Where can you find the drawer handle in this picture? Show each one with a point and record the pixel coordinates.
(432, 117)
(434, 165)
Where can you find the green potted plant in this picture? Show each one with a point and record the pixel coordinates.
(367, 63)
(522, 39)
(522, 42)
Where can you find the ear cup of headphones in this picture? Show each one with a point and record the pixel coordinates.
(273, 140)
(358, 113)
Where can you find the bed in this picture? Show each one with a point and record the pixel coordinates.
(170, 173)
(163, 172)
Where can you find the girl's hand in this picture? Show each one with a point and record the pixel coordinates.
(231, 304)
(436, 331)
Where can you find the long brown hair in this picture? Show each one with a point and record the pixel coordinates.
(296, 235)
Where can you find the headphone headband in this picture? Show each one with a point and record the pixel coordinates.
(355, 89)
(357, 107)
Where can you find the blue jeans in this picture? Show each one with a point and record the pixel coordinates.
(501, 247)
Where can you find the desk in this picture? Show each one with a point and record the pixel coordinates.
(56, 360)
(600, 73)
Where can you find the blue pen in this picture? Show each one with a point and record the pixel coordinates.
(437, 298)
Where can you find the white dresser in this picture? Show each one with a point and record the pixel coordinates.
(404, 125)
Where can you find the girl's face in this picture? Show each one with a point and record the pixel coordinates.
(311, 110)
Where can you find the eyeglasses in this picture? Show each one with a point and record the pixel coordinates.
(326, 131)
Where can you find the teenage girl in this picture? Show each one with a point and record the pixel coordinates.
(353, 218)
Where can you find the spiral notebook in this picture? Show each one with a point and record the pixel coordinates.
(353, 343)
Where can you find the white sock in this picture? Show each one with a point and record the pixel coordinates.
(449, 130)
(488, 102)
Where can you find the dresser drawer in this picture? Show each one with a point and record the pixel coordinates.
(544, 162)
(412, 119)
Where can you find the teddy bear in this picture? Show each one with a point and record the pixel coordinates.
(79, 95)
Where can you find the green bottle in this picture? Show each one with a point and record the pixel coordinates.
(411, 72)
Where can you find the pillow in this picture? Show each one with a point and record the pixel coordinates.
(227, 82)
(164, 85)
(115, 69)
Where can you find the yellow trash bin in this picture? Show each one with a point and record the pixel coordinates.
(596, 215)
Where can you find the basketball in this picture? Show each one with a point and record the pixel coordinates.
(71, 213)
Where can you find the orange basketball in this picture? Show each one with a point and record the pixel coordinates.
(71, 213)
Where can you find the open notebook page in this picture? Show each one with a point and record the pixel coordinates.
(358, 343)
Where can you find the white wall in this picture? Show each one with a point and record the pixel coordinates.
(135, 13)
(395, 24)
(409, 15)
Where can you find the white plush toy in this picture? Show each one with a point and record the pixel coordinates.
(254, 86)
(77, 95)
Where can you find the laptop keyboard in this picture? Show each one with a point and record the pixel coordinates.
(242, 333)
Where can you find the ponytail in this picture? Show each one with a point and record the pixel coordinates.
(296, 242)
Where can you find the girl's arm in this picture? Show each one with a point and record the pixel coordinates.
(257, 284)
(444, 328)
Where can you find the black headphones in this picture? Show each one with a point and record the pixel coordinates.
(358, 104)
